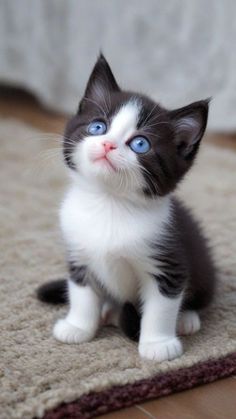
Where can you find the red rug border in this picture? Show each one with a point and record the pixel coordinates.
(118, 397)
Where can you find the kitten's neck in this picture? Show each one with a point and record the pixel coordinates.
(95, 191)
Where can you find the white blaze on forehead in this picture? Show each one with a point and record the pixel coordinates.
(124, 123)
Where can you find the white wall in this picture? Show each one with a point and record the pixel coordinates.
(177, 50)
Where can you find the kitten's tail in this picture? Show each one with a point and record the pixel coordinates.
(53, 292)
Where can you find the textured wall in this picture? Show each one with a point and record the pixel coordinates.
(176, 50)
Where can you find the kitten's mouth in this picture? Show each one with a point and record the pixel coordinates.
(104, 159)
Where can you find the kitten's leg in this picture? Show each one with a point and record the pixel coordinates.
(158, 340)
(110, 314)
(82, 321)
(188, 323)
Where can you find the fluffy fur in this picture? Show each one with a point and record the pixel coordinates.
(136, 256)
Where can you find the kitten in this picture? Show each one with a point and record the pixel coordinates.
(136, 256)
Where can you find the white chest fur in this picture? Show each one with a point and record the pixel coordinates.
(110, 235)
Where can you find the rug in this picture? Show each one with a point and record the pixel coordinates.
(38, 374)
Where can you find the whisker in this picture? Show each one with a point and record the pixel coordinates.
(149, 176)
(45, 137)
(149, 115)
(156, 124)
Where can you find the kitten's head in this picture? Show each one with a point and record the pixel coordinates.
(126, 142)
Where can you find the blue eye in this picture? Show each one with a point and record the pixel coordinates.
(97, 128)
(139, 145)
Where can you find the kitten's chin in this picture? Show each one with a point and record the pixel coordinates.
(105, 175)
(102, 175)
(101, 171)
(104, 163)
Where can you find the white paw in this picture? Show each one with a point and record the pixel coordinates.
(67, 333)
(188, 323)
(163, 350)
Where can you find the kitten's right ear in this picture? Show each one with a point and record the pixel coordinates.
(189, 124)
(100, 83)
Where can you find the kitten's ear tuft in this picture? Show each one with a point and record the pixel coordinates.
(101, 81)
(189, 124)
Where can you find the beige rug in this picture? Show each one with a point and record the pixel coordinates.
(39, 373)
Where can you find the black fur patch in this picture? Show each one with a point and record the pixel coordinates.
(77, 273)
(185, 259)
(130, 321)
(53, 292)
(171, 284)
(173, 266)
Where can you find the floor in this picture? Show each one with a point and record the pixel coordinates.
(211, 401)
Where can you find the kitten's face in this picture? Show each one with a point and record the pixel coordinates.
(127, 143)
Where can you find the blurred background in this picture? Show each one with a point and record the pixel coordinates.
(177, 51)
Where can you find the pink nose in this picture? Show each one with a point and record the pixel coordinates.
(108, 146)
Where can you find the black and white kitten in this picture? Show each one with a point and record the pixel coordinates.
(136, 255)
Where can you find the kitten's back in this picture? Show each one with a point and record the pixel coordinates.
(202, 280)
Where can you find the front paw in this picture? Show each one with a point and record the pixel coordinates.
(162, 350)
(67, 333)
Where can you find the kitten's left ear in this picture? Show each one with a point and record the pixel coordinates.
(101, 77)
(189, 124)
(100, 83)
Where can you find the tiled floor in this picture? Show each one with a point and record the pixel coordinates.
(212, 401)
